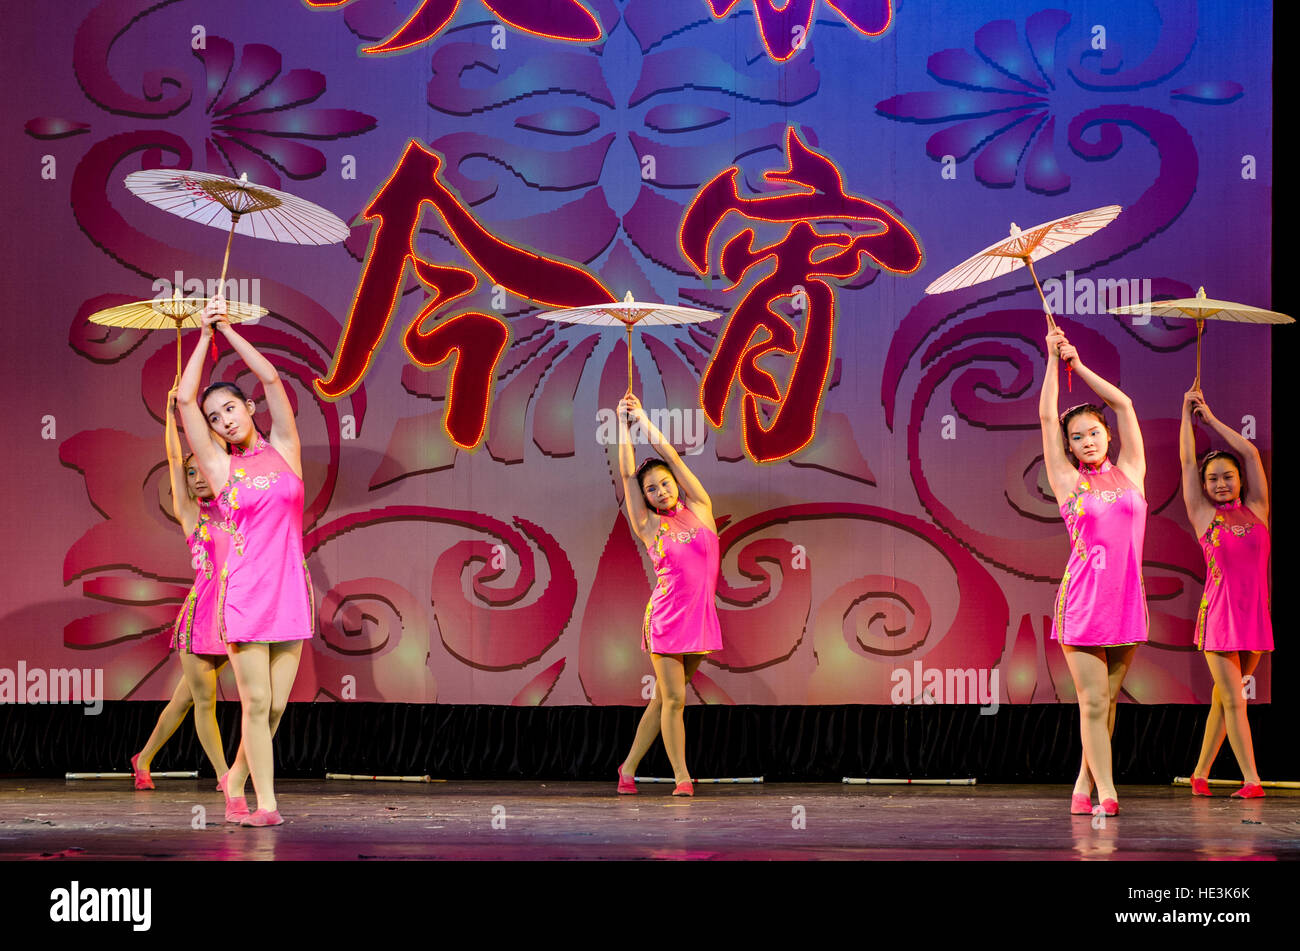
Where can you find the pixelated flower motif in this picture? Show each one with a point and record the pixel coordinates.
(52, 127)
(567, 20)
(1000, 102)
(784, 27)
(257, 111)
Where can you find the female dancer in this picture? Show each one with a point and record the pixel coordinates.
(1101, 611)
(265, 607)
(671, 513)
(1229, 515)
(195, 632)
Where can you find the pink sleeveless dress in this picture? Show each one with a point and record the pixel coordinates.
(682, 617)
(195, 629)
(1234, 609)
(1102, 602)
(265, 593)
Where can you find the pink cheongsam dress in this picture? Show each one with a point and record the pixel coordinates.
(195, 629)
(1234, 609)
(1102, 602)
(265, 593)
(682, 617)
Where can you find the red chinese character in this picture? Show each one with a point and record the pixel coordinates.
(475, 340)
(798, 260)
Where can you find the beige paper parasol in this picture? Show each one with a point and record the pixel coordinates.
(1201, 308)
(628, 313)
(165, 313)
(1022, 249)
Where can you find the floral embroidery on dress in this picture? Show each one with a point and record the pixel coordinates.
(236, 536)
(199, 559)
(258, 445)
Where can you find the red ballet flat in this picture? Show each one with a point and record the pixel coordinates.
(1200, 787)
(1249, 791)
(1109, 807)
(684, 789)
(1080, 805)
(141, 776)
(236, 809)
(626, 784)
(263, 817)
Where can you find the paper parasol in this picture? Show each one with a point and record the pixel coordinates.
(629, 313)
(1201, 308)
(1022, 249)
(165, 313)
(238, 205)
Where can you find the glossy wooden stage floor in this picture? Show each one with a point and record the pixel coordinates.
(45, 818)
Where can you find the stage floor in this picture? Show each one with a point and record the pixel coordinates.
(183, 819)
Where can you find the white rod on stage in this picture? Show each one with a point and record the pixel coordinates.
(383, 779)
(192, 774)
(1268, 784)
(725, 779)
(852, 781)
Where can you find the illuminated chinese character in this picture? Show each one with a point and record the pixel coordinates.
(474, 340)
(795, 265)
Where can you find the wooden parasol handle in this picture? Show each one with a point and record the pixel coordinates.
(1051, 323)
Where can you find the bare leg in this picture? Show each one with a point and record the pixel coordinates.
(648, 729)
(201, 679)
(1094, 670)
(1215, 732)
(1118, 660)
(252, 666)
(282, 667)
(670, 684)
(168, 721)
(1227, 670)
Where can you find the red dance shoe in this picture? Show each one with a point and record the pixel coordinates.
(1080, 805)
(1200, 787)
(141, 776)
(1249, 791)
(263, 818)
(626, 784)
(1109, 807)
(236, 809)
(684, 789)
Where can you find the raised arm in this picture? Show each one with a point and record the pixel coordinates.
(184, 508)
(638, 513)
(284, 429)
(1060, 474)
(1199, 509)
(1132, 454)
(1246, 452)
(212, 461)
(690, 487)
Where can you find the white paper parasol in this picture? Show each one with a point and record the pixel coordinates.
(628, 313)
(239, 206)
(1022, 249)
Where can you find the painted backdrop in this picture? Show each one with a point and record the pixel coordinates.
(873, 453)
